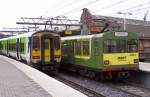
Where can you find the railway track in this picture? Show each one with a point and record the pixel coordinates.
(135, 88)
(86, 91)
(132, 90)
(123, 89)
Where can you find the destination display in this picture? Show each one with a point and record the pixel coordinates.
(121, 33)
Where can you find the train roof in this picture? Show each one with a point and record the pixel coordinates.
(17, 36)
(110, 34)
(82, 36)
(28, 34)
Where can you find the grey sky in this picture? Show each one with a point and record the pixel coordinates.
(12, 10)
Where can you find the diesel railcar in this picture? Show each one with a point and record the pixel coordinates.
(102, 56)
(39, 49)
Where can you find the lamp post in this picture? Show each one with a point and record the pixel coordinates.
(124, 18)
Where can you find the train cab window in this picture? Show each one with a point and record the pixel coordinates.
(114, 46)
(57, 43)
(132, 45)
(78, 48)
(110, 46)
(121, 46)
(35, 43)
(46, 44)
(85, 47)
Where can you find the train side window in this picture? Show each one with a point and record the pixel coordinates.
(35, 43)
(5, 46)
(63, 48)
(96, 47)
(22, 47)
(78, 48)
(132, 45)
(12, 47)
(85, 47)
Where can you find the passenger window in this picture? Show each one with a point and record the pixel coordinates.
(96, 47)
(85, 46)
(22, 47)
(63, 48)
(78, 48)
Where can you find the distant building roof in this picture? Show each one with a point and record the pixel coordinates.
(140, 26)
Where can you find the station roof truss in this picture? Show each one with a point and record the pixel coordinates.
(16, 30)
(49, 23)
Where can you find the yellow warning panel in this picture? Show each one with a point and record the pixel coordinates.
(121, 58)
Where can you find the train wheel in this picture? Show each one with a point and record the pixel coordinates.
(98, 76)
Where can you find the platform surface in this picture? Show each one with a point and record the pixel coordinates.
(19, 80)
(144, 66)
(14, 83)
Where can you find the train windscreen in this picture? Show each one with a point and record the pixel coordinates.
(36, 43)
(120, 46)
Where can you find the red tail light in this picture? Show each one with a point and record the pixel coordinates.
(36, 57)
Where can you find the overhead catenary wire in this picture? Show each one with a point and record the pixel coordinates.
(111, 5)
(59, 8)
(54, 6)
(135, 6)
(80, 7)
(128, 9)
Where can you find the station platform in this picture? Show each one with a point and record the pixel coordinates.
(19, 80)
(144, 66)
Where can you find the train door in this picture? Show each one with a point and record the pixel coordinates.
(18, 49)
(97, 49)
(47, 50)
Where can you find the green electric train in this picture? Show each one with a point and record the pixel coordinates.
(106, 55)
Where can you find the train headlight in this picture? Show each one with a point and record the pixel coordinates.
(106, 62)
(136, 60)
